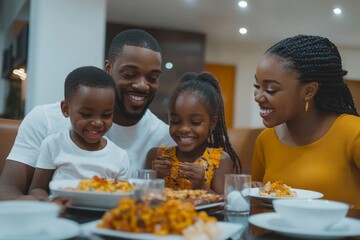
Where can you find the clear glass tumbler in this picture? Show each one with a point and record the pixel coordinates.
(237, 193)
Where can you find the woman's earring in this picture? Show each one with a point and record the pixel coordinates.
(306, 104)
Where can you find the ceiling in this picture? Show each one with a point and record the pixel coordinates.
(267, 21)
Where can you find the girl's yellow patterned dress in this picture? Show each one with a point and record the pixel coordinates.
(210, 160)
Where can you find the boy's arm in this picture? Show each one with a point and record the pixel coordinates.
(40, 184)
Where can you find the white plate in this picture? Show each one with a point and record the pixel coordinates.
(86, 208)
(227, 230)
(272, 221)
(85, 198)
(210, 205)
(200, 207)
(56, 230)
(300, 194)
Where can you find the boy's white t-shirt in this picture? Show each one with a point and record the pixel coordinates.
(48, 119)
(59, 152)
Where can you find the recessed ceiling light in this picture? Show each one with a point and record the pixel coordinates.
(337, 11)
(168, 65)
(243, 30)
(242, 4)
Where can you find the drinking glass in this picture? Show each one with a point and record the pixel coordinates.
(155, 190)
(145, 174)
(237, 193)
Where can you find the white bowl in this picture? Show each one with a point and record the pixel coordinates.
(90, 199)
(26, 218)
(315, 214)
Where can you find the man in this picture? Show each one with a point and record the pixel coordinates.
(134, 62)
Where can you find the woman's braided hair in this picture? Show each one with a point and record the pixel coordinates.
(317, 59)
(205, 88)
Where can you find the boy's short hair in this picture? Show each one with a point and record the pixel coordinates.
(131, 37)
(88, 76)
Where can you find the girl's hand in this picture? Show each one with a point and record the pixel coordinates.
(162, 166)
(193, 172)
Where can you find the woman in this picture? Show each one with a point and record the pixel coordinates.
(312, 140)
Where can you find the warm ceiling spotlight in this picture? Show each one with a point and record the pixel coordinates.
(337, 11)
(243, 30)
(242, 4)
(20, 72)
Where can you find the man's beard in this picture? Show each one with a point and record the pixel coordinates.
(121, 109)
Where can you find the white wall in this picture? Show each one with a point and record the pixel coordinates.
(63, 35)
(4, 84)
(246, 56)
(351, 62)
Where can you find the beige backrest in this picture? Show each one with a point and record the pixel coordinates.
(8, 131)
(243, 141)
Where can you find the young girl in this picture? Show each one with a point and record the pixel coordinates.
(83, 151)
(197, 124)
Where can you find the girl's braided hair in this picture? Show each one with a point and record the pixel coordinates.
(317, 59)
(205, 88)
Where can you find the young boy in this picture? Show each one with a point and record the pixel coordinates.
(83, 151)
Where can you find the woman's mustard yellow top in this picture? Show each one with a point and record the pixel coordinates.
(330, 165)
(210, 160)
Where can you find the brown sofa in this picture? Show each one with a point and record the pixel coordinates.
(8, 131)
(241, 139)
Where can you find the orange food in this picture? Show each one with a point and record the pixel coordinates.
(161, 218)
(195, 196)
(276, 189)
(104, 185)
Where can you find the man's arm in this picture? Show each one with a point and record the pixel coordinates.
(15, 180)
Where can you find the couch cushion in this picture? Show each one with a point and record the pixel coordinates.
(243, 141)
(8, 130)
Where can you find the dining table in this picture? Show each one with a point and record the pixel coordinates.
(247, 232)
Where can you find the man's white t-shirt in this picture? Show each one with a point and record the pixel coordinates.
(59, 152)
(48, 119)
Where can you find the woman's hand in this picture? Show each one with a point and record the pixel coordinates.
(162, 165)
(256, 184)
(194, 173)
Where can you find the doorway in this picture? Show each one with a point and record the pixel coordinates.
(225, 74)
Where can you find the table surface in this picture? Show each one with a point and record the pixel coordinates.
(248, 232)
